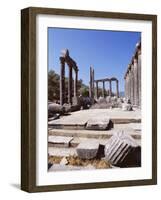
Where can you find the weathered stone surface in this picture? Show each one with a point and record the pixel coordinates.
(127, 107)
(59, 141)
(123, 151)
(87, 150)
(62, 152)
(79, 118)
(99, 123)
(63, 161)
(55, 108)
(101, 100)
(108, 99)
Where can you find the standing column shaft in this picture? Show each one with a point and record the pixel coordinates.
(110, 89)
(103, 89)
(136, 89)
(132, 84)
(125, 86)
(62, 81)
(96, 89)
(75, 83)
(90, 83)
(117, 88)
(93, 84)
(128, 85)
(70, 85)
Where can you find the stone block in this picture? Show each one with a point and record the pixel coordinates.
(59, 141)
(127, 107)
(99, 123)
(87, 150)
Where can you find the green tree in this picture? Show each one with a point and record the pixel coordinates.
(53, 85)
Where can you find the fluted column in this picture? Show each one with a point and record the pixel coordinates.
(110, 88)
(132, 83)
(62, 80)
(136, 88)
(103, 89)
(70, 85)
(127, 86)
(96, 89)
(90, 83)
(117, 88)
(93, 84)
(75, 83)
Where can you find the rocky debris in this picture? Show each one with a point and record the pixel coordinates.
(85, 102)
(87, 150)
(59, 141)
(99, 123)
(108, 99)
(127, 107)
(54, 108)
(123, 151)
(55, 116)
(64, 161)
(101, 100)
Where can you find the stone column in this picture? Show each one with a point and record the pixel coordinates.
(62, 80)
(139, 77)
(90, 83)
(132, 84)
(75, 83)
(93, 84)
(70, 85)
(96, 89)
(110, 89)
(117, 88)
(103, 89)
(125, 85)
(129, 84)
(136, 96)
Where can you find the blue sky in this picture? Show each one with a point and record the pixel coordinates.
(108, 52)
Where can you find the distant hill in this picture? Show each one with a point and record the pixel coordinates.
(122, 94)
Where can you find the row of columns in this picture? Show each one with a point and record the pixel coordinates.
(133, 78)
(65, 59)
(93, 91)
(110, 86)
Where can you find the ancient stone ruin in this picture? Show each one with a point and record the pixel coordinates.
(66, 59)
(133, 78)
(93, 88)
(108, 133)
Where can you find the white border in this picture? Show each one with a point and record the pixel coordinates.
(43, 177)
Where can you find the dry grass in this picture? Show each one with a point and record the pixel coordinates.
(76, 161)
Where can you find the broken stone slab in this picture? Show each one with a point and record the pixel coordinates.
(87, 150)
(99, 123)
(59, 141)
(127, 107)
(123, 151)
